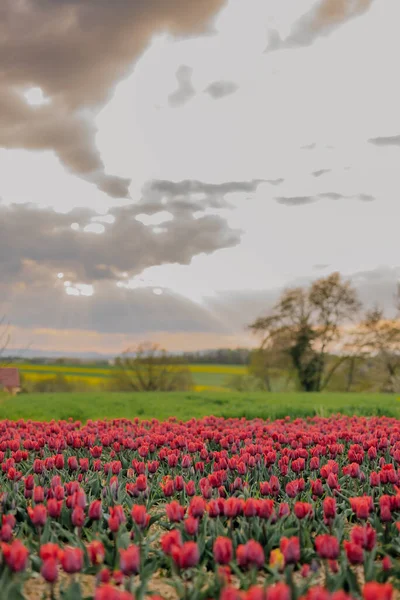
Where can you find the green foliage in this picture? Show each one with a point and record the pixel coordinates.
(303, 324)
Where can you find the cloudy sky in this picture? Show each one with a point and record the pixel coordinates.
(167, 167)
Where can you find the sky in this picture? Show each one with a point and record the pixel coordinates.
(167, 168)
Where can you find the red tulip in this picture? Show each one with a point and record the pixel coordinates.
(54, 508)
(175, 512)
(72, 463)
(265, 509)
(329, 508)
(95, 510)
(141, 483)
(386, 563)
(38, 494)
(48, 551)
(169, 540)
(250, 554)
(71, 559)
(354, 552)
(250, 507)
(140, 516)
(129, 560)
(49, 570)
(364, 536)
(362, 506)
(377, 591)
(278, 591)
(16, 556)
(191, 525)
(303, 510)
(38, 515)
(290, 548)
(197, 507)
(223, 550)
(327, 546)
(186, 556)
(78, 517)
(96, 552)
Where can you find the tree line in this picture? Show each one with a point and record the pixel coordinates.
(312, 332)
(313, 338)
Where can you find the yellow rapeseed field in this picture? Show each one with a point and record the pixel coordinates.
(206, 377)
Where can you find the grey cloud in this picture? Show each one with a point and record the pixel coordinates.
(220, 89)
(295, 200)
(336, 196)
(110, 310)
(275, 181)
(302, 200)
(378, 287)
(320, 267)
(321, 172)
(309, 146)
(393, 140)
(323, 18)
(331, 196)
(184, 195)
(185, 90)
(366, 197)
(76, 52)
(41, 241)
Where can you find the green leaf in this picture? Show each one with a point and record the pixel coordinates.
(73, 592)
(14, 591)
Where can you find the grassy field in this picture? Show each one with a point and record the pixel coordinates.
(91, 405)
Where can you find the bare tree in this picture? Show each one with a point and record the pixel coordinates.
(147, 368)
(379, 337)
(5, 337)
(309, 322)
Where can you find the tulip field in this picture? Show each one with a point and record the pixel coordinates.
(210, 508)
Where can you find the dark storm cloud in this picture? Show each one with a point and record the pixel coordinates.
(321, 172)
(295, 200)
(76, 52)
(393, 140)
(185, 90)
(323, 18)
(220, 89)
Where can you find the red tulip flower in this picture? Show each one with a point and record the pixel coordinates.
(129, 560)
(223, 550)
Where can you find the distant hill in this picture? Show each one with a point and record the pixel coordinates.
(31, 353)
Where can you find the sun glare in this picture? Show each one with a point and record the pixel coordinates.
(35, 97)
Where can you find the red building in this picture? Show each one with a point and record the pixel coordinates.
(9, 379)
